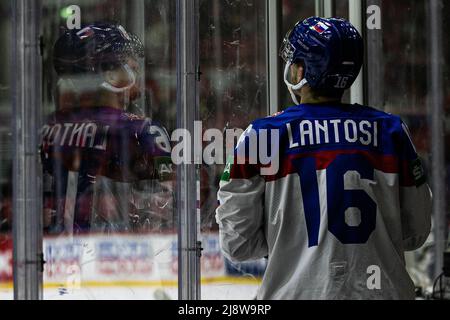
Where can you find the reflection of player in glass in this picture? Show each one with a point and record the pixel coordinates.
(104, 169)
(350, 196)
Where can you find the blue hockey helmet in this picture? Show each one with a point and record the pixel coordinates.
(331, 51)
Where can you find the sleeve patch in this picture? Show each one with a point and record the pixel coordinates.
(164, 167)
(227, 172)
(418, 172)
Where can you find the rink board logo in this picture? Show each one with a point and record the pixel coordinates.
(147, 259)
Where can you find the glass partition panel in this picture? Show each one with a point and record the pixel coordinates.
(342, 12)
(446, 105)
(404, 64)
(6, 249)
(292, 12)
(233, 94)
(109, 100)
(109, 108)
(405, 93)
(342, 9)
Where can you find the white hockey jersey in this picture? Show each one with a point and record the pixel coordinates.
(342, 198)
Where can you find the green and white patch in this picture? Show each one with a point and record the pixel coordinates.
(227, 172)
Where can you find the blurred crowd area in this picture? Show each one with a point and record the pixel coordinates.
(233, 61)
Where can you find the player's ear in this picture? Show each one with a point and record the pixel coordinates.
(118, 77)
(297, 73)
(111, 77)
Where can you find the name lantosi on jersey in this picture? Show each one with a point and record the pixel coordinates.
(78, 135)
(338, 131)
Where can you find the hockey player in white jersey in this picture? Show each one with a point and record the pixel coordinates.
(350, 195)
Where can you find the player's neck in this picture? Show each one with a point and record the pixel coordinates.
(307, 97)
(320, 101)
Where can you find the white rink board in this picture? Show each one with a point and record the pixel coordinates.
(132, 267)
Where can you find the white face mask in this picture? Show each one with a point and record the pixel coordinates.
(293, 87)
(132, 81)
(86, 83)
(125, 90)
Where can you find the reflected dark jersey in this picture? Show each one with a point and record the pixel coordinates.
(92, 157)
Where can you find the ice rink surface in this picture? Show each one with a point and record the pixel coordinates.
(208, 292)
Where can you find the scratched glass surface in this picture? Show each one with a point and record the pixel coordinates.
(109, 210)
(446, 44)
(293, 11)
(111, 233)
(6, 274)
(233, 94)
(342, 9)
(342, 12)
(406, 91)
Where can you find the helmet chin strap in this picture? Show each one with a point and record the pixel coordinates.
(293, 87)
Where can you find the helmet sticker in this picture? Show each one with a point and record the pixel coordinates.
(320, 27)
(85, 33)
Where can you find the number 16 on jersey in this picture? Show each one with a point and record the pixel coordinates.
(343, 196)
